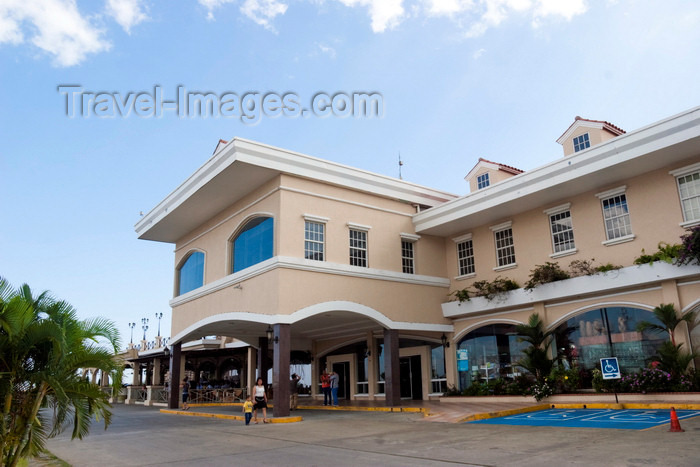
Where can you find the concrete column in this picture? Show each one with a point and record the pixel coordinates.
(250, 370)
(136, 378)
(157, 379)
(372, 365)
(392, 380)
(451, 362)
(175, 372)
(262, 359)
(315, 375)
(104, 379)
(280, 369)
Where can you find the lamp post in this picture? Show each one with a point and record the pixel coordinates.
(144, 326)
(158, 317)
(132, 326)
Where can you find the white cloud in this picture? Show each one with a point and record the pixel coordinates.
(263, 11)
(566, 9)
(478, 54)
(127, 13)
(54, 26)
(330, 51)
(385, 14)
(211, 5)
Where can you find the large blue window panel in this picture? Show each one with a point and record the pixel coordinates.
(253, 244)
(192, 273)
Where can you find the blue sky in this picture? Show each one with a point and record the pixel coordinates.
(460, 79)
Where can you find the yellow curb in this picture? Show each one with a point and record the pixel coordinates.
(350, 408)
(228, 417)
(642, 406)
(502, 413)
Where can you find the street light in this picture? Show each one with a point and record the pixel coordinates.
(132, 326)
(445, 342)
(269, 332)
(158, 317)
(144, 326)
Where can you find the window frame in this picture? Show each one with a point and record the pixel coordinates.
(678, 174)
(183, 262)
(505, 251)
(483, 181)
(557, 211)
(581, 142)
(360, 231)
(321, 222)
(606, 196)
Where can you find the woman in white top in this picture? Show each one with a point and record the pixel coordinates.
(260, 400)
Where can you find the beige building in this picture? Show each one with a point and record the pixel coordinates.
(357, 271)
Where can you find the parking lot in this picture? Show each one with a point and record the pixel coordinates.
(593, 418)
(144, 436)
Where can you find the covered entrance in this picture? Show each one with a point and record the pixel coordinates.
(343, 370)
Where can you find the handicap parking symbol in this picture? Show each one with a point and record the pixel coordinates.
(610, 368)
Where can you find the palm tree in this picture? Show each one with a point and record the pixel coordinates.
(669, 319)
(536, 359)
(42, 346)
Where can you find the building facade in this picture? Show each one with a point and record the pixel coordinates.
(359, 271)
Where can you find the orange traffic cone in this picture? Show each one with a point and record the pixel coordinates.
(675, 424)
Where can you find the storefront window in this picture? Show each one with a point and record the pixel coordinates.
(438, 377)
(489, 353)
(608, 332)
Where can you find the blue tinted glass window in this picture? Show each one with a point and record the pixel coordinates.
(191, 273)
(253, 244)
(581, 142)
(482, 181)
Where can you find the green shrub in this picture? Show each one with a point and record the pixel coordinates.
(461, 295)
(690, 248)
(565, 381)
(667, 253)
(546, 273)
(491, 289)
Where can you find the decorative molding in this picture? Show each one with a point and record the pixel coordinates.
(558, 209)
(685, 170)
(616, 241)
(561, 254)
(612, 192)
(314, 218)
(501, 226)
(462, 238)
(506, 267)
(363, 228)
(409, 237)
(312, 266)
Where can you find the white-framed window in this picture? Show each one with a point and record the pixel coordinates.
(505, 248)
(581, 142)
(465, 257)
(561, 229)
(315, 237)
(407, 257)
(482, 181)
(689, 191)
(616, 214)
(358, 247)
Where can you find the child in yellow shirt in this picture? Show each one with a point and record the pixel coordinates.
(248, 410)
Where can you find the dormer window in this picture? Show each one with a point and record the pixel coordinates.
(581, 142)
(482, 181)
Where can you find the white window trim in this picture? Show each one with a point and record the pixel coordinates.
(314, 218)
(612, 192)
(506, 267)
(360, 227)
(407, 237)
(465, 276)
(561, 254)
(502, 226)
(688, 169)
(615, 241)
(463, 238)
(557, 209)
(688, 224)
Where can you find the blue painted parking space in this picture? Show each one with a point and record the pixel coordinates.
(630, 419)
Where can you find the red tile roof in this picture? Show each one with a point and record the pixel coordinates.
(606, 125)
(505, 168)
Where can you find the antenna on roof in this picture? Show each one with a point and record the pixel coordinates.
(400, 165)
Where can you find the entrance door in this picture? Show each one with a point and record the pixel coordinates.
(343, 370)
(410, 377)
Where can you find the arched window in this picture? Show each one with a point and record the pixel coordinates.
(489, 353)
(191, 273)
(608, 332)
(253, 243)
